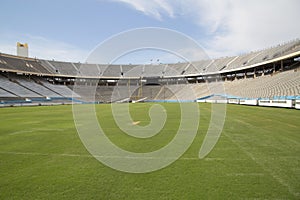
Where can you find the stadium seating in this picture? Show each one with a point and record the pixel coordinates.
(219, 64)
(36, 66)
(28, 78)
(48, 66)
(19, 64)
(154, 70)
(126, 68)
(191, 69)
(175, 69)
(134, 71)
(202, 65)
(112, 71)
(65, 68)
(149, 92)
(62, 90)
(86, 70)
(242, 60)
(29, 83)
(16, 89)
(4, 93)
(280, 84)
(172, 92)
(276, 51)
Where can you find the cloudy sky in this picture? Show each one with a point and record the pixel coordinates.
(70, 29)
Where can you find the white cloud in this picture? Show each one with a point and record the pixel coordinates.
(252, 25)
(154, 8)
(231, 26)
(228, 27)
(42, 48)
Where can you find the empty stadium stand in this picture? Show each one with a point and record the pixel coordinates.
(62, 90)
(30, 84)
(65, 68)
(270, 73)
(112, 71)
(13, 87)
(154, 70)
(133, 71)
(280, 84)
(4, 93)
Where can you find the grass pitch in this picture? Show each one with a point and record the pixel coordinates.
(256, 157)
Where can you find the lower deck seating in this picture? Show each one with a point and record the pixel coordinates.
(4, 93)
(15, 88)
(62, 90)
(280, 84)
(285, 83)
(28, 82)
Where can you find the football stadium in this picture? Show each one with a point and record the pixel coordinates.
(239, 116)
(257, 155)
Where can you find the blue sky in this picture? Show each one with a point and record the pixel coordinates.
(70, 29)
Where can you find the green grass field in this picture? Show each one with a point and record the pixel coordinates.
(256, 157)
